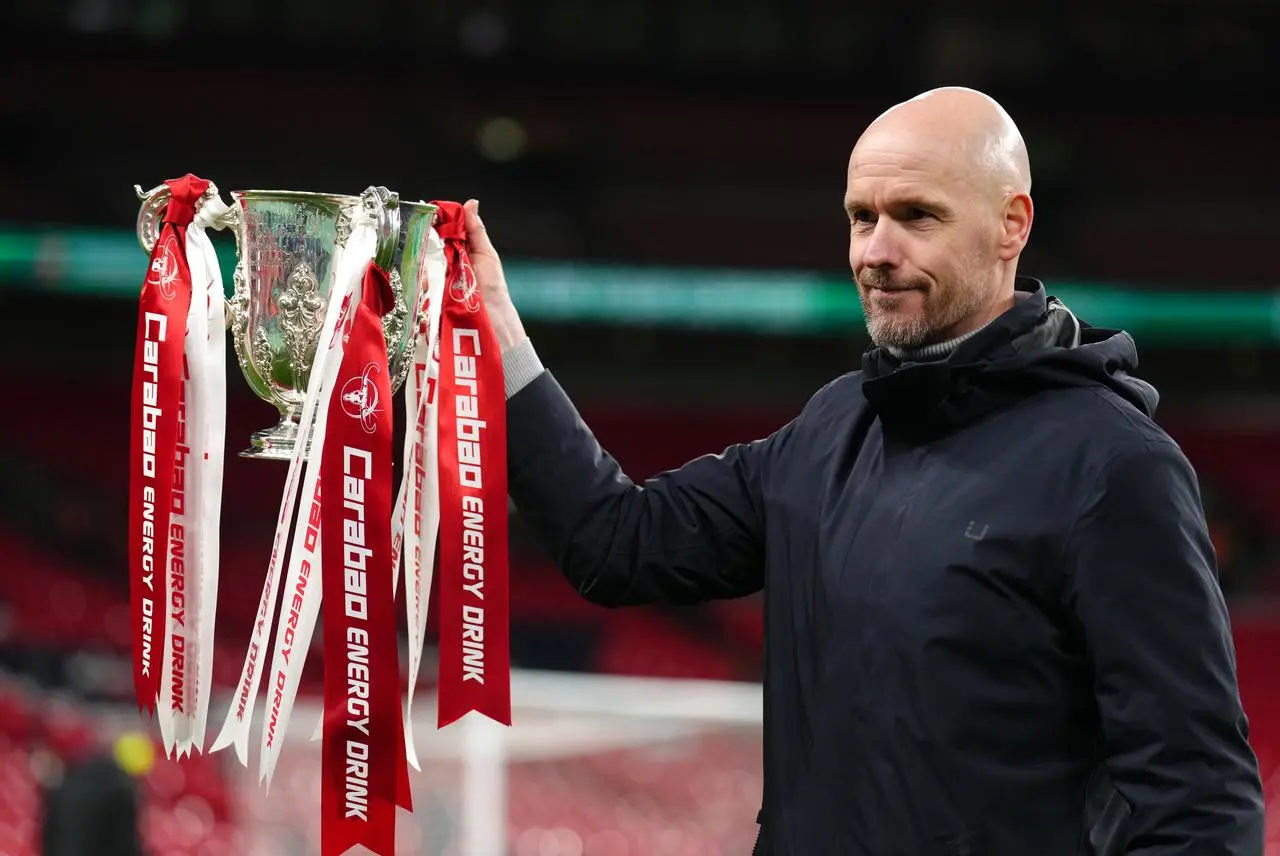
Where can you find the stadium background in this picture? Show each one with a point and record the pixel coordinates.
(664, 179)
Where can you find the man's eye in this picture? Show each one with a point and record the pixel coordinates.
(862, 215)
(915, 213)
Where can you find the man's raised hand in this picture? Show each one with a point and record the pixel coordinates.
(492, 281)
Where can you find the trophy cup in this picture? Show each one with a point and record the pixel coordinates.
(319, 362)
(287, 245)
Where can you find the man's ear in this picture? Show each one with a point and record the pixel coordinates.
(1016, 225)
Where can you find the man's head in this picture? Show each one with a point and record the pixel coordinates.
(939, 204)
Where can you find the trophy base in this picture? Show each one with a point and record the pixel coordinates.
(276, 443)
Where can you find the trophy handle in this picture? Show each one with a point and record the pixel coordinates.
(151, 214)
(154, 203)
(384, 206)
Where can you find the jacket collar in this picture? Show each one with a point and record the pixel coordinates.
(918, 401)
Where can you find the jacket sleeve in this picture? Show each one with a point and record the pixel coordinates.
(685, 536)
(1142, 581)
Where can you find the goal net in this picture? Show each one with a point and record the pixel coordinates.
(592, 765)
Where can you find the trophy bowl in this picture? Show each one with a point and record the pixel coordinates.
(287, 247)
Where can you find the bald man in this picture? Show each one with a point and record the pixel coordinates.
(993, 621)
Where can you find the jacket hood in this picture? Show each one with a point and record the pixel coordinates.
(1036, 345)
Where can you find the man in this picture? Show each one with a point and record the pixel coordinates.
(993, 625)
(91, 800)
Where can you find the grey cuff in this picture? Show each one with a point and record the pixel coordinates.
(520, 366)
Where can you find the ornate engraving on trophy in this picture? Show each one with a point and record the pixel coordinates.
(343, 230)
(238, 321)
(301, 316)
(260, 354)
(393, 321)
(393, 329)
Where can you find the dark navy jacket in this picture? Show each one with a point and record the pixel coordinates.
(993, 625)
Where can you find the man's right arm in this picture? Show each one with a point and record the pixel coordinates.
(692, 534)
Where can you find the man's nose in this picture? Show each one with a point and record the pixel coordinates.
(882, 248)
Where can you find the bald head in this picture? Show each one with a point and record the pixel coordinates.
(965, 129)
(940, 209)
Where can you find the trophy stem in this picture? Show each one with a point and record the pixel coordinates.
(276, 443)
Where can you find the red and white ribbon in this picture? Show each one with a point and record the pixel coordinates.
(156, 403)
(363, 771)
(418, 497)
(475, 658)
(349, 539)
(192, 552)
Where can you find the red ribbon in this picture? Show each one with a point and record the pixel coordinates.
(157, 382)
(364, 772)
(177, 647)
(475, 656)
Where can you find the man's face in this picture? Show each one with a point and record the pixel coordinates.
(923, 242)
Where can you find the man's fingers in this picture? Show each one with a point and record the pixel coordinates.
(477, 237)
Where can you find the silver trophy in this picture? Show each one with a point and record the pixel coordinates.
(287, 245)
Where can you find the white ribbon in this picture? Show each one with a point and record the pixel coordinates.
(302, 594)
(349, 271)
(212, 392)
(190, 612)
(420, 487)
